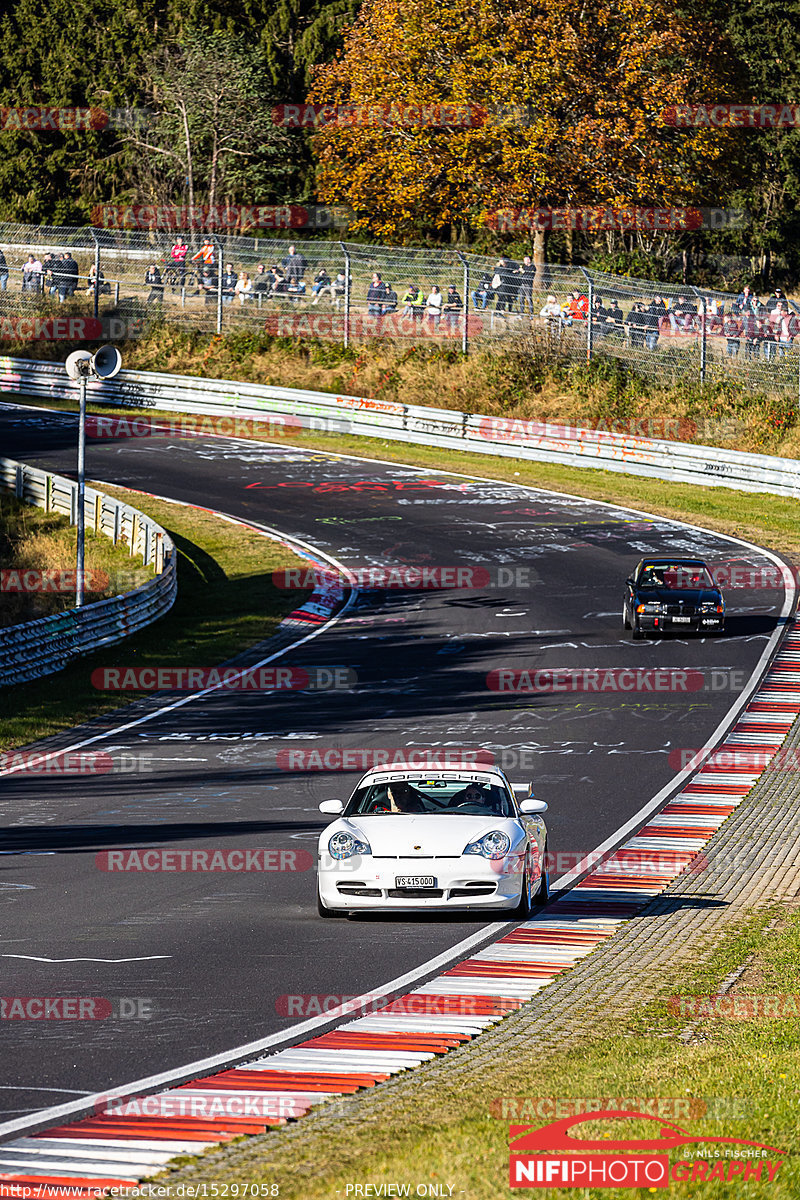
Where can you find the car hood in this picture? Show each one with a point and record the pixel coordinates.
(693, 596)
(408, 835)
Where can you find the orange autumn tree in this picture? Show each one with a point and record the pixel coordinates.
(594, 77)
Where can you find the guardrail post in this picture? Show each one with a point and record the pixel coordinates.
(465, 304)
(19, 482)
(346, 254)
(48, 493)
(116, 523)
(116, 293)
(588, 278)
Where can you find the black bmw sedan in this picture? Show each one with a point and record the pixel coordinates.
(672, 595)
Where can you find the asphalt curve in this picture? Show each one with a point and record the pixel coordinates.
(213, 956)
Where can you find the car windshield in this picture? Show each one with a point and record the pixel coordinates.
(675, 576)
(434, 796)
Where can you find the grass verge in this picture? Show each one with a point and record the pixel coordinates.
(735, 1077)
(38, 550)
(226, 603)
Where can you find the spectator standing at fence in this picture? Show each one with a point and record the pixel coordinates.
(527, 274)
(413, 301)
(787, 328)
(207, 253)
(452, 307)
(504, 285)
(614, 317)
(389, 300)
(262, 282)
(731, 330)
(229, 281)
(32, 275)
(48, 263)
(178, 255)
(295, 266)
(338, 289)
(483, 292)
(71, 269)
(244, 287)
(208, 284)
(680, 315)
(376, 293)
(599, 317)
(153, 280)
(433, 307)
(745, 301)
(3, 272)
(636, 326)
(652, 322)
(752, 348)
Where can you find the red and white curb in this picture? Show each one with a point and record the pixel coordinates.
(122, 1147)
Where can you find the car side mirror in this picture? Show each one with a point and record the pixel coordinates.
(532, 805)
(332, 808)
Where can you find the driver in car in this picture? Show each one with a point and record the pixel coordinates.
(471, 794)
(403, 798)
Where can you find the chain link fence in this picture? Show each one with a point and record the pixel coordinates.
(351, 293)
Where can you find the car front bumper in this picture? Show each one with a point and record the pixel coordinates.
(461, 883)
(665, 623)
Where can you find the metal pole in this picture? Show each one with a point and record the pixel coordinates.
(701, 305)
(81, 490)
(346, 254)
(588, 278)
(465, 305)
(219, 285)
(96, 277)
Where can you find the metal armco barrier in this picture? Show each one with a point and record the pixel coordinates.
(43, 646)
(678, 462)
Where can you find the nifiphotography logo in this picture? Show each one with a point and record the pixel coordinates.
(550, 1157)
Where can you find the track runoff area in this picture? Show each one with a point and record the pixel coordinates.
(487, 618)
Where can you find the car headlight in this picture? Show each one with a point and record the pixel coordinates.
(653, 606)
(344, 845)
(491, 845)
(711, 606)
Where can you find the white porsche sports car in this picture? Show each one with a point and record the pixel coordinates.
(444, 839)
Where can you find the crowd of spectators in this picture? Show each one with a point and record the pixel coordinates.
(54, 275)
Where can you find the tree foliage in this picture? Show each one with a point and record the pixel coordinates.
(597, 78)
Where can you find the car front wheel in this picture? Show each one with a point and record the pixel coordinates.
(323, 910)
(523, 909)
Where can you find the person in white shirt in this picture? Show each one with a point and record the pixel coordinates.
(552, 312)
(433, 306)
(244, 287)
(32, 275)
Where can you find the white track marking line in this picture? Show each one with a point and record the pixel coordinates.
(34, 958)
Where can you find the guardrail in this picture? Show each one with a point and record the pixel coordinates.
(572, 445)
(48, 644)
